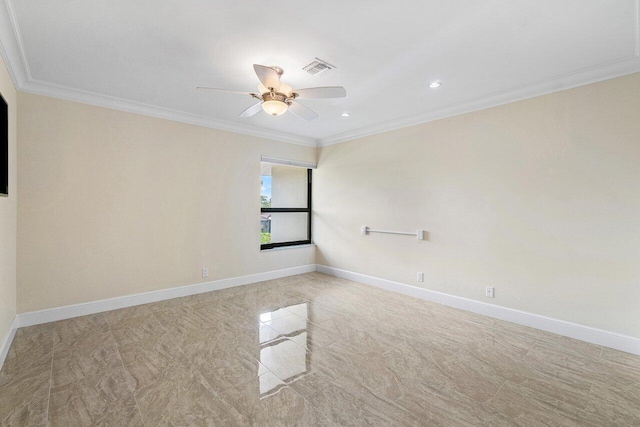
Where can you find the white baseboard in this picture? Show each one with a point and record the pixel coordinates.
(560, 327)
(83, 309)
(556, 326)
(4, 348)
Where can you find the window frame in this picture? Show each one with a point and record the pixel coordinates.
(307, 210)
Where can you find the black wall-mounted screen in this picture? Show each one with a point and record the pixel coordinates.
(4, 147)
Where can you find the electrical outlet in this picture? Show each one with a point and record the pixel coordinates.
(205, 272)
(489, 292)
(420, 277)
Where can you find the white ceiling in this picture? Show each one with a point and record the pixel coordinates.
(149, 55)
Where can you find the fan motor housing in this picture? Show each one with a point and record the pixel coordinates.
(275, 96)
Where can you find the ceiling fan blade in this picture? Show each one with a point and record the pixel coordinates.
(302, 111)
(251, 111)
(268, 76)
(215, 89)
(321, 92)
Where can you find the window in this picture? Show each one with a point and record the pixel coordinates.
(285, 200)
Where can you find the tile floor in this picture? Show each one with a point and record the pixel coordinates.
(310, 350)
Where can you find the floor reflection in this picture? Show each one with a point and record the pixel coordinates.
(283, 341)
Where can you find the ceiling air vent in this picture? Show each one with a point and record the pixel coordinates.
(318, 67)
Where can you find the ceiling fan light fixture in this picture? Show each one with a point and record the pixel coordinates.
(274, 103)
(276, 98)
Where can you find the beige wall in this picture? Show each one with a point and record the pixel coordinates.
(539, 198)
(8, 215)
(113, 204)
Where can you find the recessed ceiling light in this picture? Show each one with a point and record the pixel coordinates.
(345, 114)
(434, 84)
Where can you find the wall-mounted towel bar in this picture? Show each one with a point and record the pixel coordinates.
(419, 234)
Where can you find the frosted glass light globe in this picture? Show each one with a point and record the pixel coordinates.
(275, 108)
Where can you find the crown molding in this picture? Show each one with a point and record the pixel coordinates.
(106, 101)
(627, 65)
(609, 70)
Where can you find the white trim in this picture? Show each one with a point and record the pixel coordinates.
(618, 68)
(112, 102)
(83, 309)
(598, 73)
(8, 339)
(275, 161)
(556, 326)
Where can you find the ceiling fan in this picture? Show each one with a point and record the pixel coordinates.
(276, 98)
